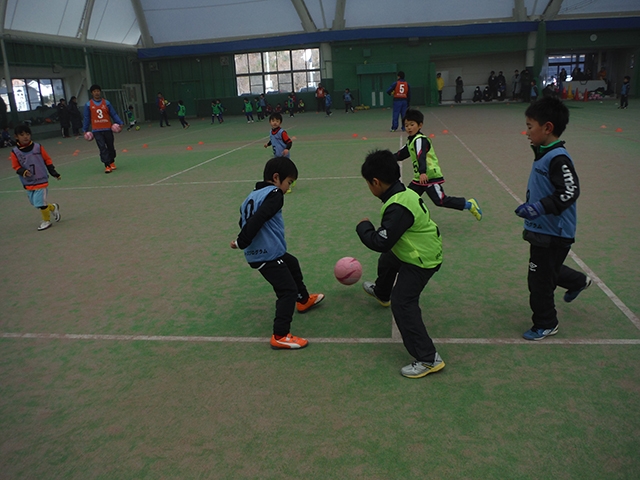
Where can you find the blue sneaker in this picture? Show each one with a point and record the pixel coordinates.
(570, 296)
(539, 333)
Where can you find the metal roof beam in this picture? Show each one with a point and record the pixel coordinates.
(145, 36)
(553, 7)
(305, 18)
(339, 22)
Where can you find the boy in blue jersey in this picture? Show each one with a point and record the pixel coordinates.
(278, 138)
(624, 92)
(411, 253)
(33, 165)
(262, 239)
(550, 216)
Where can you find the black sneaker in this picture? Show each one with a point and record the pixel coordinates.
(570, 296)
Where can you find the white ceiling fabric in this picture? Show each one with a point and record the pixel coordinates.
(174, 22)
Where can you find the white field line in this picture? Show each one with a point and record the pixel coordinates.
(209, 182)
(207, 161)
(607, 291)
(329, 340)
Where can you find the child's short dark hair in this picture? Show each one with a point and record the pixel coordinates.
(275, 116)
(627, 77)
(381, 164)
(414, 115)
(401, 75)
(94, 87)
(550, 109)
(283, 166)
(22, 128)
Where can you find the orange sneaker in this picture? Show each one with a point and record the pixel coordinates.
(290, 342)
(314, 299)
(107, 169)
(112, 166)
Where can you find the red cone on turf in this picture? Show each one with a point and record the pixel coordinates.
(200, 143)
(603, 126)
(618, 129)
(189, 148)
(354, 135)
(523, 132)
(125, 150)
(432, 135)
(145, 146)
(445, 132)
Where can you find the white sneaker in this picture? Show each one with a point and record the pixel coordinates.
(44, 225)
(56, 212)
(420, 369)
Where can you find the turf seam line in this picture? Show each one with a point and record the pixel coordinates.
(605, 289)
(330, 340)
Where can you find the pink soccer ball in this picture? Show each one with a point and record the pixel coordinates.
(116, 128)
(348, 270)
(88, 136)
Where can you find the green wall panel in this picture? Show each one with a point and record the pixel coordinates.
(39, 55)
(112, 69)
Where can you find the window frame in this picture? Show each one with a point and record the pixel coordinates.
(276, 70)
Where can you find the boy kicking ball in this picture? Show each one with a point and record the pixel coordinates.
(411, 249)
(262, 239)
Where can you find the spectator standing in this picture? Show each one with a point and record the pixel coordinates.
(501, 86)
(64, 116)
(320, 94)
(162, 105)
(440, 85)
(525, 81)
(515, 85)
(76, 116)
(492, 82)
(459, 90)
(401, 92)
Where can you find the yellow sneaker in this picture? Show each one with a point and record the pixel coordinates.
(475, 209)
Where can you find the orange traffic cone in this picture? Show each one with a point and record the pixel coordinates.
(586, 94)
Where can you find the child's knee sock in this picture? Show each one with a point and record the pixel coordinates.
(46, 212)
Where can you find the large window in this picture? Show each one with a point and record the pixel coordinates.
(282, 71)
(576, 66)
(31, 93)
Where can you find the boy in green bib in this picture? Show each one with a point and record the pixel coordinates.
(411, 249)
(427, 176)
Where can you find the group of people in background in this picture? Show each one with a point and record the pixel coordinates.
(69, 117)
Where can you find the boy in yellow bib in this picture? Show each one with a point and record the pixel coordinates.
(411, 249)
